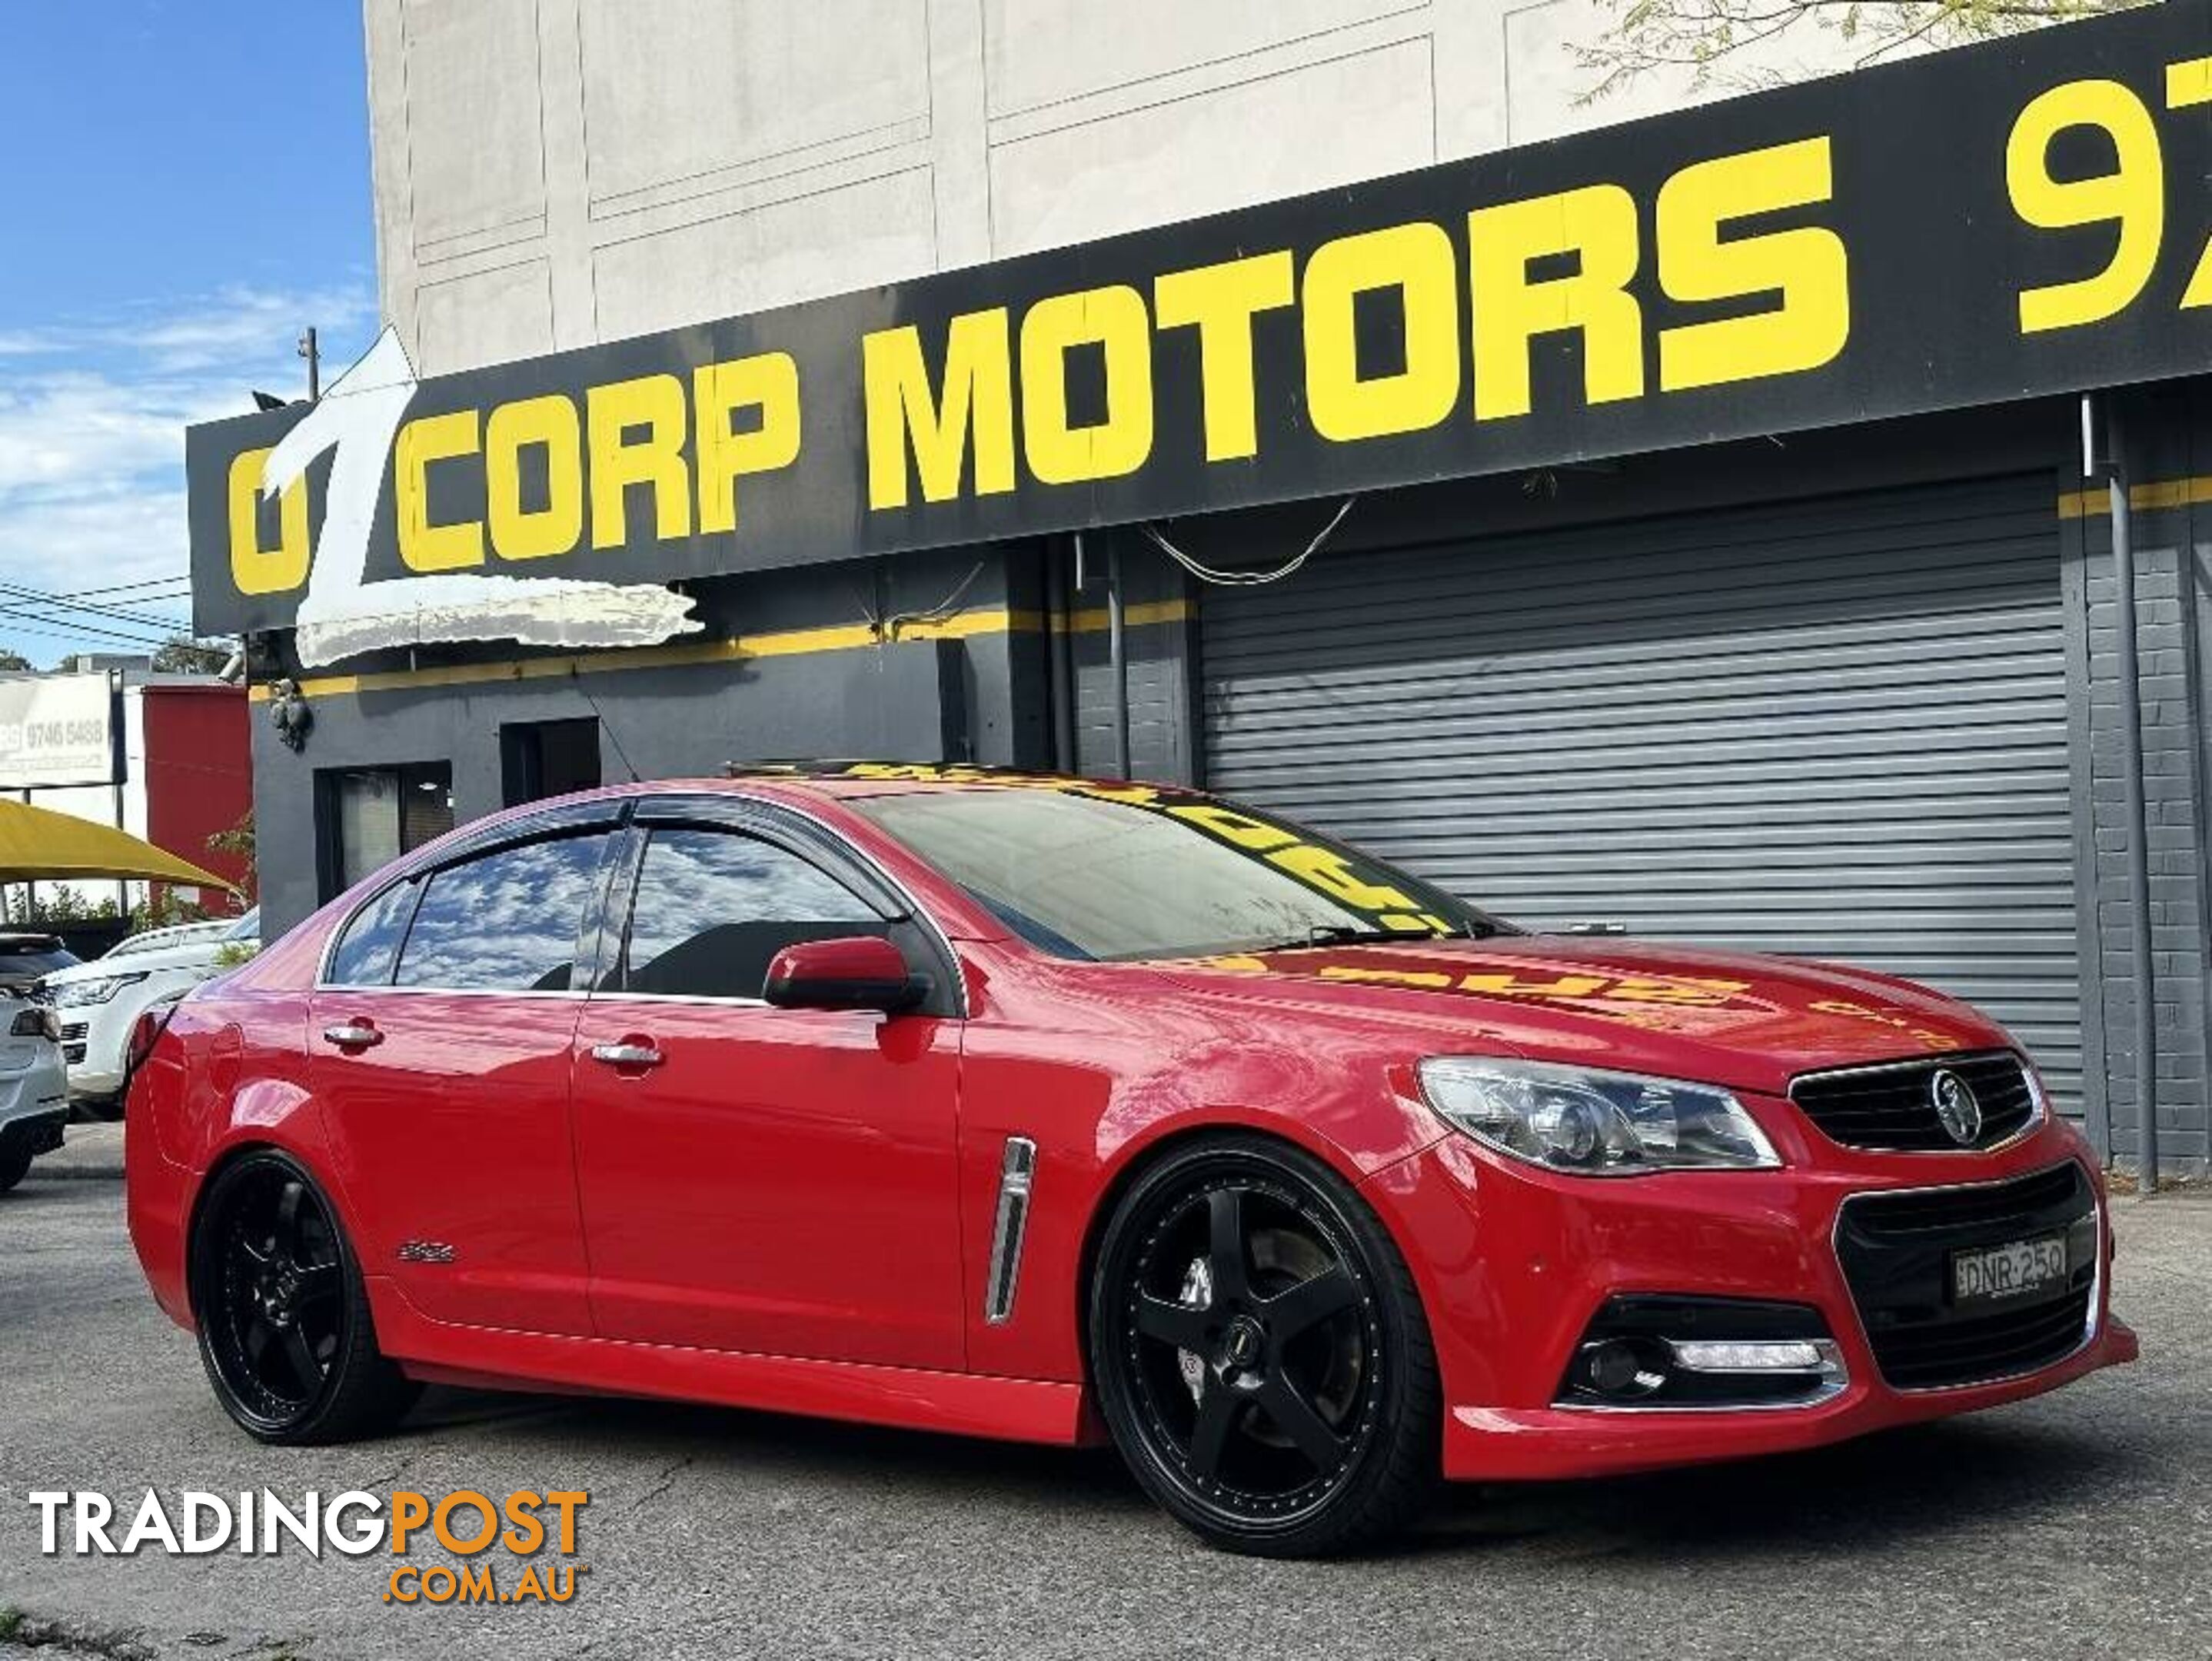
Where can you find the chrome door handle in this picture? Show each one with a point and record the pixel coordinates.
(352, 1035)
(627, 1055)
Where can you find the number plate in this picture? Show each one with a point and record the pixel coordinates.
(1992, 1273)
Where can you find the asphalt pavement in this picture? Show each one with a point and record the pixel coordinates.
(2079, 1524)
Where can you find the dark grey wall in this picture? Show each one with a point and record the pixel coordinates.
(2168, 437)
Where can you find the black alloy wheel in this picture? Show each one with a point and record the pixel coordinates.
(283, 1321)
(1259, 1353)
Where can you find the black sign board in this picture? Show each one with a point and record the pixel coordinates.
(2012, 219)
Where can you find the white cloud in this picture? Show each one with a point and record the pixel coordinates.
(93, 413)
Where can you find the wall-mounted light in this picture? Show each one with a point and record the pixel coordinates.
(289, 713)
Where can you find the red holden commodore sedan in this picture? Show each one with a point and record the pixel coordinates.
(1059, 1110)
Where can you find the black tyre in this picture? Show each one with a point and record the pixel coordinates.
(284, 1320)
(1259, 1353)
(14, 1162)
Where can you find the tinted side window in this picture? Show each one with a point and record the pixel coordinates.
(369, 945)
(507, 922)
(712, 908)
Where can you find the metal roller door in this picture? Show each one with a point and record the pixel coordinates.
(1834, 728)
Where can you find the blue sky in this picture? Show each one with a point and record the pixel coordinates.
(185, 186)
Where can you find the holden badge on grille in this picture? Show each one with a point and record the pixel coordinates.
(1956, 1110)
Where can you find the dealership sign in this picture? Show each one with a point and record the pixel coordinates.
(2019, 218)
(56, 730)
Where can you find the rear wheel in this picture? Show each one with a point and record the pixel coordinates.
(284, 1320)
(1261, 1354)
(14, 1161)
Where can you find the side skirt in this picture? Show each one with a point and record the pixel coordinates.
(912, 1398)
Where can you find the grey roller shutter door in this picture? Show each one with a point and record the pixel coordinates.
(1834, 728)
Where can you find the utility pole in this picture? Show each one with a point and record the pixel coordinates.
(309, 351)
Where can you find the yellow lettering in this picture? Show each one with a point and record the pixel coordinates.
(1806, 267)
(1220, 301)
(518, 532)
(1567, 986)
(1327, 871)
(1231, 826)
(1386, 977)
(1113, 319)
(654, 402)
(2131, 198)
(1418, 261)
(255, 569)
(768, 383)
(1597, 222)
(424, 546)
(977, 401)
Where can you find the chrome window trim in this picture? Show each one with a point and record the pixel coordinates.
(2092, 1328)
(915, 911)
(707, 998)
(449, 991)
(2039, 1114)
(1016, 1172)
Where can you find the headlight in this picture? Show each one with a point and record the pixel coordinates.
(1593, 1123)
(70, 994)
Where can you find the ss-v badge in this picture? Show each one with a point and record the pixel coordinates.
(425, 1251)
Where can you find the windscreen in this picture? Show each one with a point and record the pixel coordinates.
(1104, 872)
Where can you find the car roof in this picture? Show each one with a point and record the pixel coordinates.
(845, 778)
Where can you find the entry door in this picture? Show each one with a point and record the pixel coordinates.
(780, 1182)
(441, 1057)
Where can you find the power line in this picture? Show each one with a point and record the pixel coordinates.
(15, 607)
(78, 631)
(41, 597)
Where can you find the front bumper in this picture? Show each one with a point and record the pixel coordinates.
(1514, 1263)
(39, 1133)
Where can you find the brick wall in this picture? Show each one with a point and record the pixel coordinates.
(2167, 440)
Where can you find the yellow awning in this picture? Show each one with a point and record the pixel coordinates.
(38, 845)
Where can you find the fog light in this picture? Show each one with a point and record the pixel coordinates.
(1617, 1367)
(1753, 1355)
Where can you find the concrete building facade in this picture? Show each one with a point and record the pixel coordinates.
(552, 174)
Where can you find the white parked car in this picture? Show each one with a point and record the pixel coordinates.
(33, 1091)
(100, 1002)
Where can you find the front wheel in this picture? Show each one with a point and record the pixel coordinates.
(1259, 1353)
(284, 1326)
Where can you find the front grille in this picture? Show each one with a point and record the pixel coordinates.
(74, 1030)
(1896, 1252)
(73, 1053)
(1893, 1107)
(1997, 1346)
